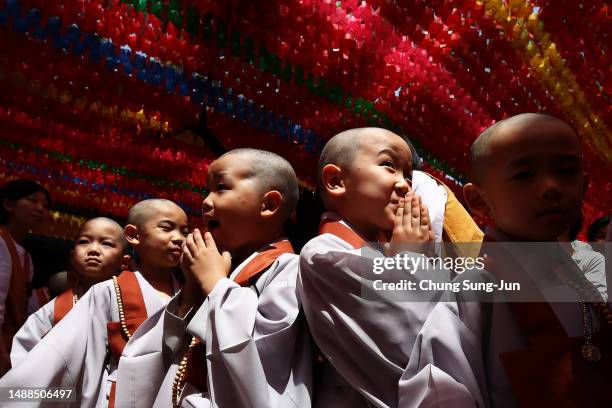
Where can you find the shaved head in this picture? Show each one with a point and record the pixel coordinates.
(341, 149)
(112, 223)
(143, 210)
(271, 172)
(480, 152)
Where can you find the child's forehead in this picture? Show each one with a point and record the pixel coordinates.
(387, 142)
(101, 227)
(538, 139)
(234, 165)
(166, 211)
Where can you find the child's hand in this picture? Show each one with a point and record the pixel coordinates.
(201, 260)
(412, 225)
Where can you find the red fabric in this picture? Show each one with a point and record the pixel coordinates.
(16, 304)
(262, 261)
(135, 312)
(341, 231)
(63, 304)
(550, 369)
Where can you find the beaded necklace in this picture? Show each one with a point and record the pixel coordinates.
(585, 289)
(124, 327)
(178, 385)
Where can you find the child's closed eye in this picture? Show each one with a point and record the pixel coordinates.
(388, 163)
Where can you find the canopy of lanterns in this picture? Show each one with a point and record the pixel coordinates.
(102, 99)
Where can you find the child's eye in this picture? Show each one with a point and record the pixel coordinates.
(221, 187)
(108, 244)
(82, 241)
(388, 163)
(522, 175)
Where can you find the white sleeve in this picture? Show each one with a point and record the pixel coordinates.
(34, 329)
(441, 364)
(73, 354)
(458, 350)
(434, 196)
(594, 267)
(251, 341)
(5, 278)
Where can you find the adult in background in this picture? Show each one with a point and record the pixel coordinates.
(23, 204)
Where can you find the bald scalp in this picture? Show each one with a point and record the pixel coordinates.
(271, 172)
(341, 149)
(116, 226)
(143, 210)
(480, 152)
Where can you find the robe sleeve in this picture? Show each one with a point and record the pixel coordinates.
(440, 366)
(593, 265)
(457, 352)
(73, 354)
(251, 341)
(34, 329)
(146, 359)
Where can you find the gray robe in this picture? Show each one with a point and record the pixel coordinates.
(456, 358)
(257, 350)
(35, 328)
(366, 341)
(74, 354)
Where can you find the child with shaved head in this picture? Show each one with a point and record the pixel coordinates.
(364, 180)
(234, 336)
(549, 343)
(97, 255)
(83, 350)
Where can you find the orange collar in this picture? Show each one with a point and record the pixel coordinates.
(337, 228)
(262, 261)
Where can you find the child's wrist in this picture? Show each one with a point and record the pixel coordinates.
(209, 284)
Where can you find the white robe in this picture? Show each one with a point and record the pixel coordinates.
(366, 340)
(74, 354)
(456, 358)
(257, 349)
(434, 196)
(32, 331)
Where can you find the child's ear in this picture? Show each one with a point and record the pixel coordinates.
(475, 201)
(271, 203)
(131, 234)
(332, 179)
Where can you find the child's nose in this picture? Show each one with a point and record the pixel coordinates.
(551, 187)
(94, 248)
(402, 187)
(207, 204)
